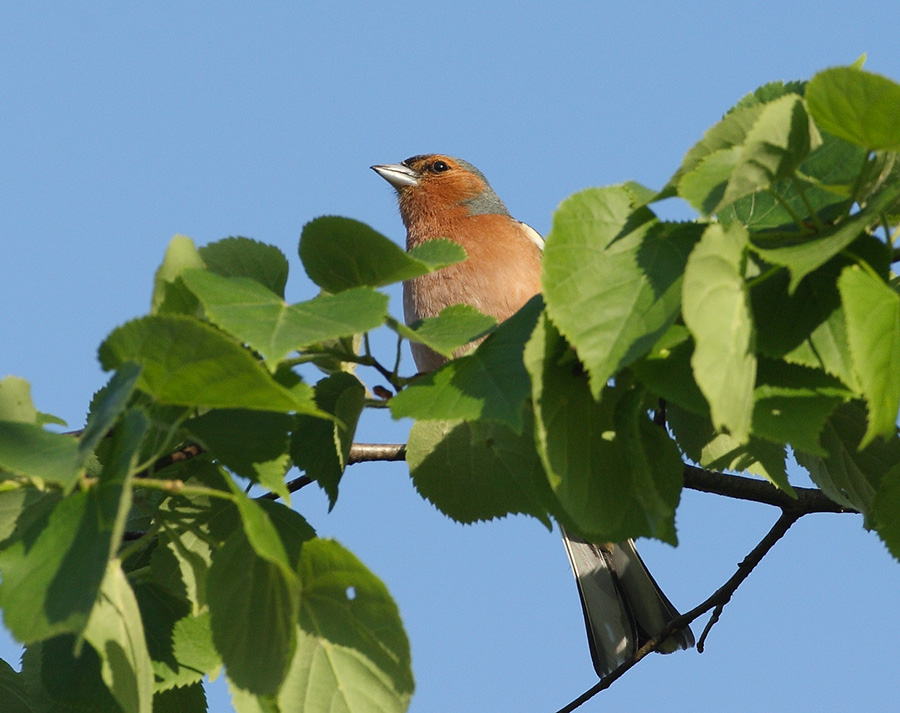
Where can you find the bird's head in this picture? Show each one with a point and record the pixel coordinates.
(430, 184)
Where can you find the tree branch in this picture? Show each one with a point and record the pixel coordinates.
(808, 500)
(717, 600)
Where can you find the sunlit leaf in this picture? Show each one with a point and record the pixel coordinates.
(873, 329)
(340, 253)
(352, 652)
(859, 106)
(717, 311)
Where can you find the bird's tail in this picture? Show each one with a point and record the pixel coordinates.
(622, 604)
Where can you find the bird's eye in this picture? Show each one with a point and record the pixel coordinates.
(439, 167)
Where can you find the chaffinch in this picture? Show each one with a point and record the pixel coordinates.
(445, 197)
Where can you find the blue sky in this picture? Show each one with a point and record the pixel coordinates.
(125, 123)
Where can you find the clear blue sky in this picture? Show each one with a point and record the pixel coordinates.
(125, 123)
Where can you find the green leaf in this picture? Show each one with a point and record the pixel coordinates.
(861, 107)
(181, 560)
(64, 676)
(489, 384)
(873, 329)
(28, 450)
(180, 644)
(792, 404)
(13, 696)
(321, 448)
(704, 185)
(14, 504)
(114, 484)
(116, 633)
(476, 470)
(780, 139)
(253, 444)
(730, 131)
(260, 318)
(594, 458)
(886, 510)
(352, 652)
(107, 406)
(619, 266)
(769, 92)
(253, 595)
(53, 571)
(454, 328)
(654, 463)
(700, 442)
(827, 179)
(243, 257)
(803, 255)
(169, 295)
(850, 474)
(340, 253)
(188, 363)
(806, 327)
(717, 312)
(187, 699)
(15, 400)
(667, 371)
(253, 608)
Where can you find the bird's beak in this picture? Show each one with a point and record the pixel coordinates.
(398, 175)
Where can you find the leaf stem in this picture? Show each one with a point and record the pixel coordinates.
(178, 487)
(798, 185)
(795, 216)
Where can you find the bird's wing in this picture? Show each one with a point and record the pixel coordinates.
(533, 235)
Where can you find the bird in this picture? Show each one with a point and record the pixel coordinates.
(441, 196)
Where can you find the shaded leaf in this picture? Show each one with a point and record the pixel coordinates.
(476, 470)
(595, 452)
(13, 696)
(775, 146)
(321, 448)
(253, 608)
(188, 699)
(792, 404)
(700, 442)
(886, 510)
(108, 404)
(253, 444)
(804, 255)
(806, 327)
(180, 644)
(667, 370)
(850, 475)
(52, 572)
(489, 384)
(61, 682)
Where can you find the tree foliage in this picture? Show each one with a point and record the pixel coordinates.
(135, 562)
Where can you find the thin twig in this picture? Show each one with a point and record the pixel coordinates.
(718, 600)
